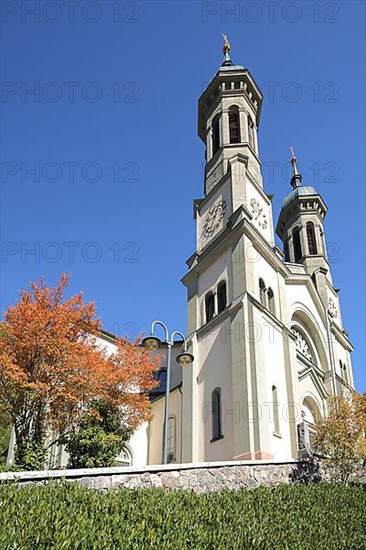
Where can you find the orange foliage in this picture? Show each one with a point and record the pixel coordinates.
(341, 437)
(52, 366)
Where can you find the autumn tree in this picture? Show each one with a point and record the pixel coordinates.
(53, 370)
(341, 437)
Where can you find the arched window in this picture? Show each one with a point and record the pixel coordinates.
(124, 458)
(221, 296)
(275, 409)
(302, 345)
(216, 414)
(343, 371)
(297, 244)
(251, 133)
(162, 380)
(271, 305)
(262, 292)
(307, 428)
(340, 369)
(310, 233)
(215, 134)
(209, 306)
(234, 125)
(172, 438)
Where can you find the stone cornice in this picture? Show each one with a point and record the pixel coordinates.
(214, 93)
(239, 224)
(341, 337)
(305, 279)
(214, 190)
(218, 319)
(293, 211)
(318, 379)
(271, 318)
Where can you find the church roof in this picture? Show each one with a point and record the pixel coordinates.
(298, 191)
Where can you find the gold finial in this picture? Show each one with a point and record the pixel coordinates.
(227, 46)
(294, 161)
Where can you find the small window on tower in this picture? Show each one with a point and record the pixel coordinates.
(215, 134)
(270, 297)
(297, 244)
(221, 296)
(262, 292)
(343, 371)
(234, 125)
(340, 369)
(209, 306)
(310, 233)
(251, 133)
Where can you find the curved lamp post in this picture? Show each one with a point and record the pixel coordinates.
(184, 359)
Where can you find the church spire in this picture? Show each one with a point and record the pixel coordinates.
(226, 50)
(296, 176)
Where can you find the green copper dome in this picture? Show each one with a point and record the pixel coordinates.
(298, 191)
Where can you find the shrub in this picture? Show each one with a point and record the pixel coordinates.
(31, 455)
(98, 438)
(11, 468)
(293, 517)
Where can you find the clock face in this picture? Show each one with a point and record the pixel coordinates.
(258, 214)
(213, 218)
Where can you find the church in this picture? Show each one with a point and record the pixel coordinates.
(264, 324)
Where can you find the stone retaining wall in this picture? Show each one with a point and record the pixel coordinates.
(203, 477)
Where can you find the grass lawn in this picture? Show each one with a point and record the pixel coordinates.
(67, 516)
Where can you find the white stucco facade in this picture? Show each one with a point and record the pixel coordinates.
(272, 350)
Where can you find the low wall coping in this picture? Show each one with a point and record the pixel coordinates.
(130, 470)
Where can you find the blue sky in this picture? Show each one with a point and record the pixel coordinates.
(110, 133)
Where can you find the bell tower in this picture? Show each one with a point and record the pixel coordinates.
(234, 212)
(244, 302)
(301, 228)
(228, 121)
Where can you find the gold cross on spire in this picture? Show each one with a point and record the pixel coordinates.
(227, 46)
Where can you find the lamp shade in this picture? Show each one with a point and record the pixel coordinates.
(151, 343)
(185, 359)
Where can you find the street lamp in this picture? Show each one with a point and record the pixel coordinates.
(184, 359)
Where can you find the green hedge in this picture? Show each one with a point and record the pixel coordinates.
(70, 517)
